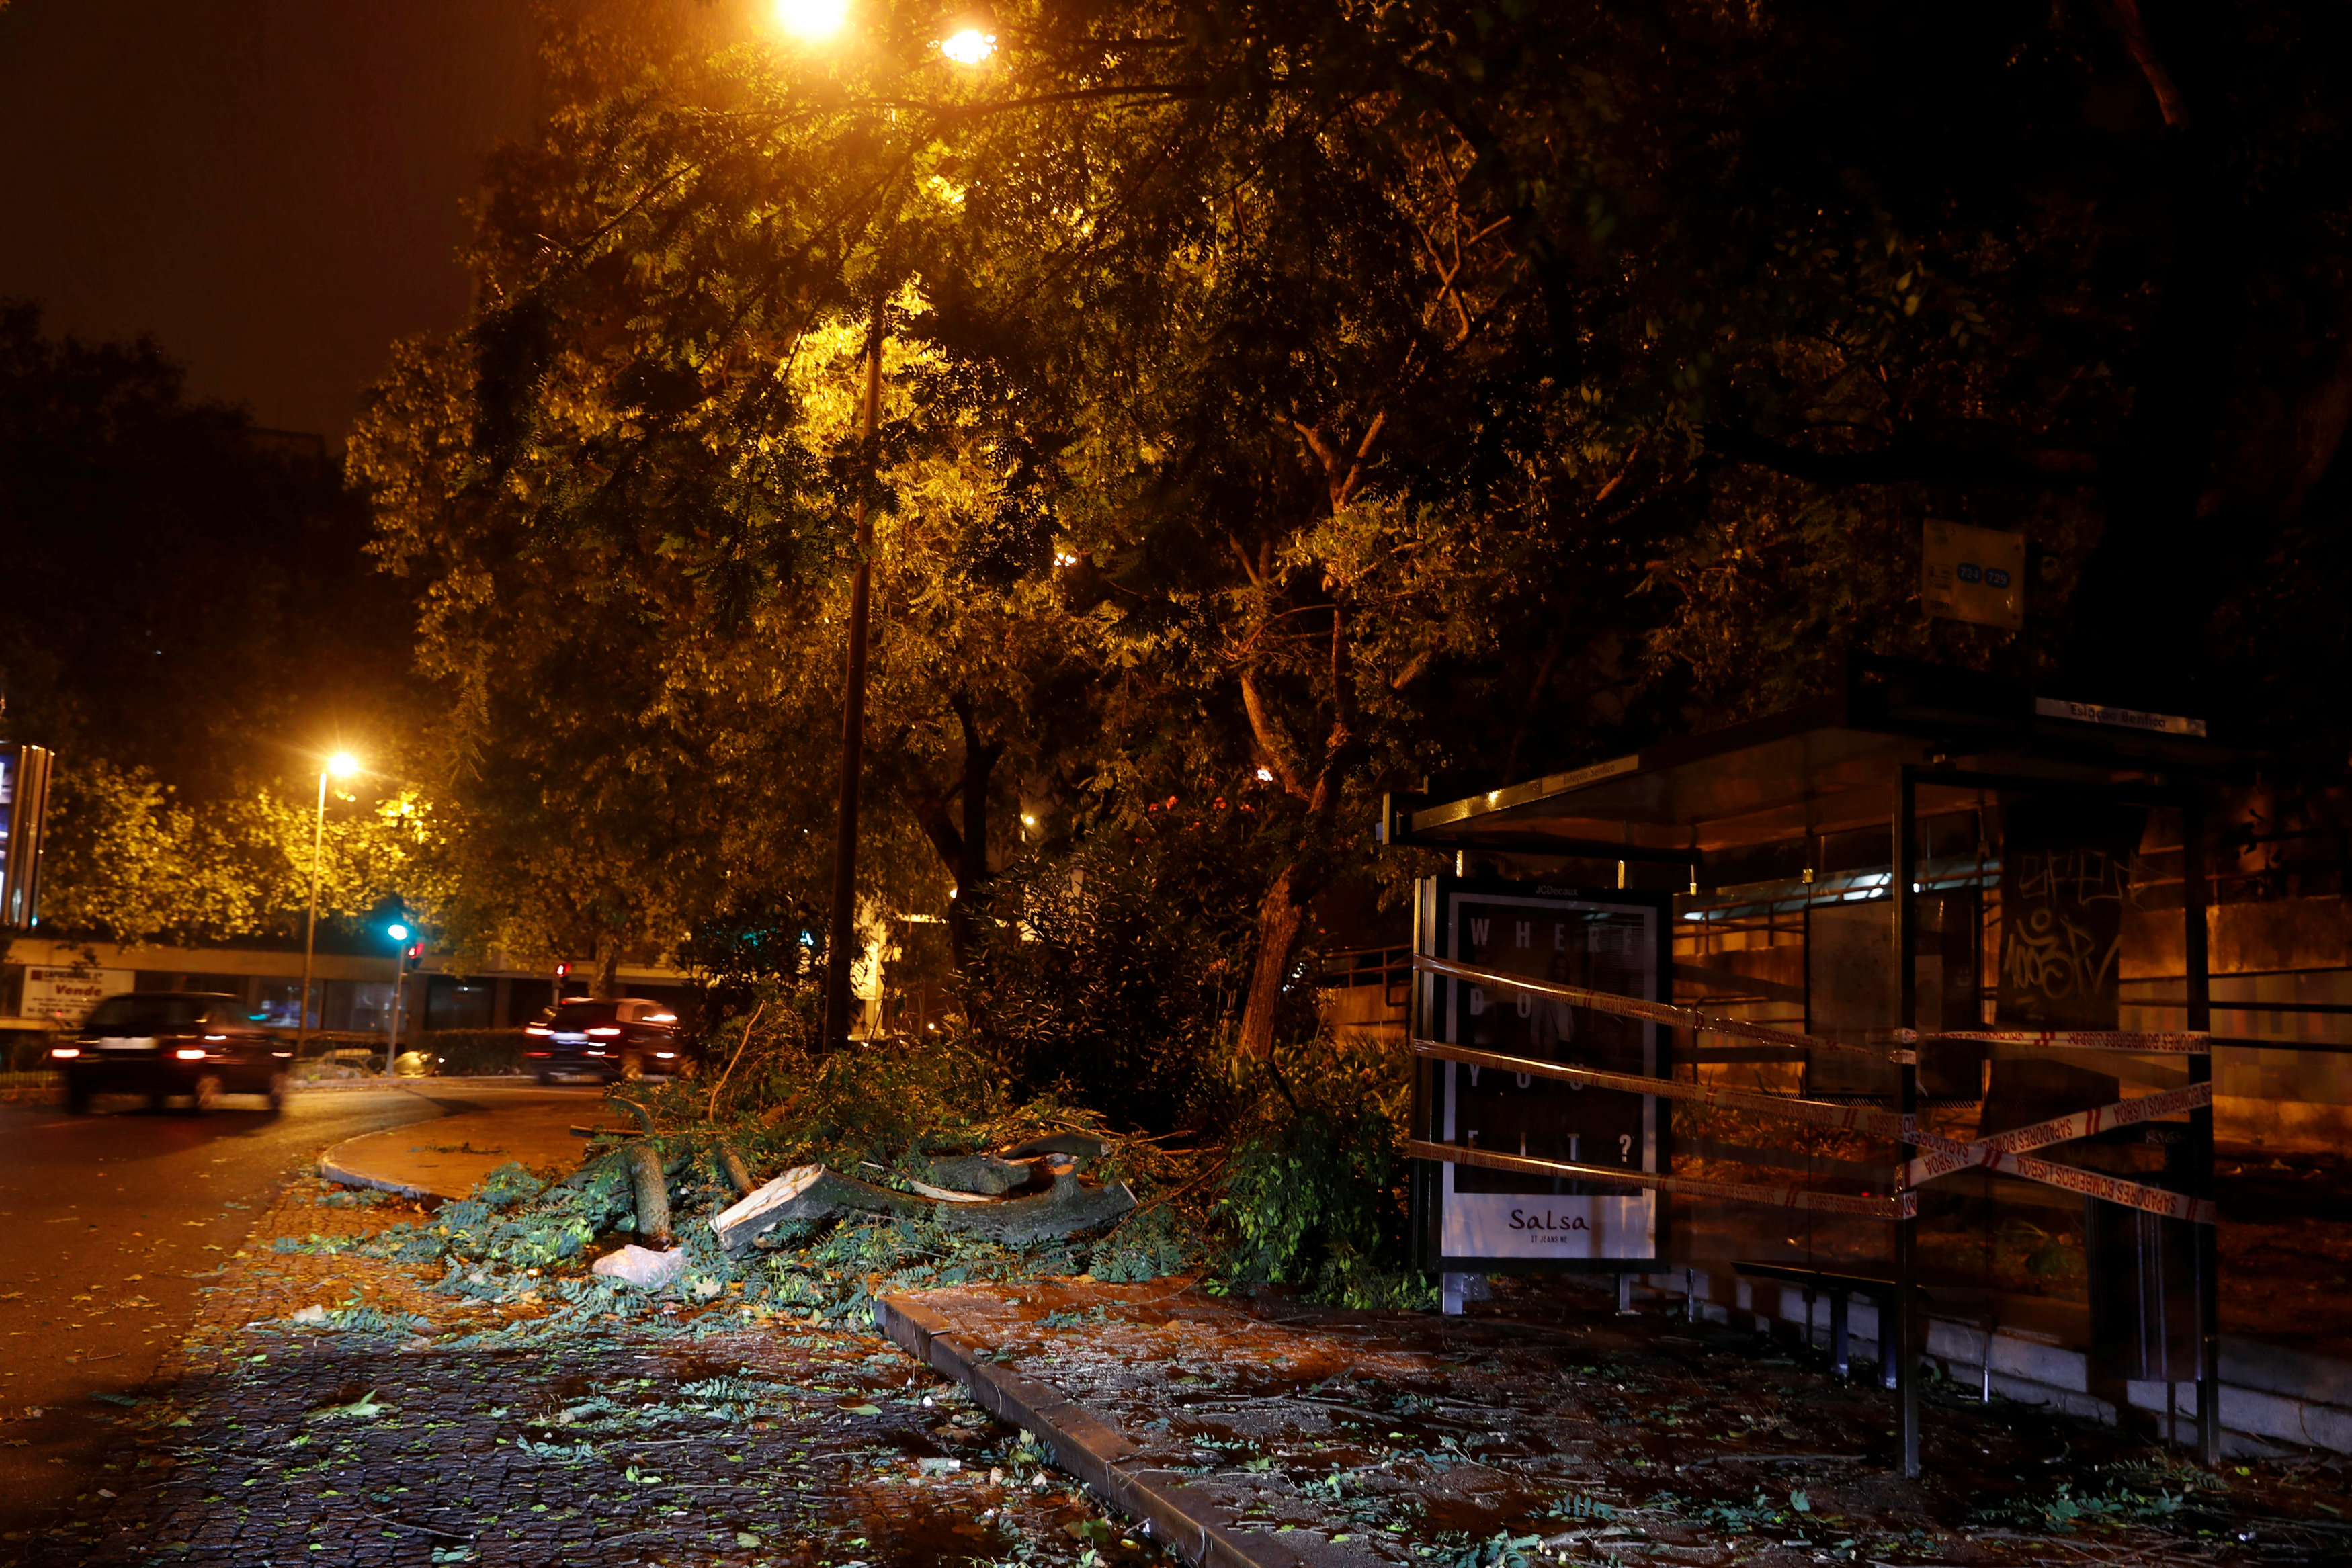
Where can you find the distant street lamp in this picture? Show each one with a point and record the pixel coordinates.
(341, 765)
(814, 21)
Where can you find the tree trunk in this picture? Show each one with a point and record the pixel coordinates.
(606, 983)
(971, 870)
(1281, 917)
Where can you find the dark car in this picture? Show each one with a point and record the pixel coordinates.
(199, 1044)
(628, 1037)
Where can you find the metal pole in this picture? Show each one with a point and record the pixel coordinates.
(399, 984)
(1906, 1015)
(840, 935)
(310, 932)
(309, 939)
(2200, 1141)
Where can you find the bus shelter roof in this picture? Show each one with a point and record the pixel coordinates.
(1824, 767)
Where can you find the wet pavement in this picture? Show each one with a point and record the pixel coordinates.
(117, 1220)
(330, 1406)
(430, 1428)
(1552, 1427)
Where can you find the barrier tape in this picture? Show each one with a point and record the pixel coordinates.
(1658, 1013)
(1902, 1206)
(1946, 1157)
(1864, 1119)
(2090, 1184)
(2147, 1042)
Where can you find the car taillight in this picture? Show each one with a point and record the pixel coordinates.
(190, 1053)
(65, 1052)
(539, 1054)
(605, 1033)
(665, 1053)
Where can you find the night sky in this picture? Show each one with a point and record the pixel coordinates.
(272, 188)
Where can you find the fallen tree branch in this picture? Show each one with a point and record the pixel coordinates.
(651, 1191)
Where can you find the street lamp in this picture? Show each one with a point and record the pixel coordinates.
(341, 765)
(815, 20)
(812, 19)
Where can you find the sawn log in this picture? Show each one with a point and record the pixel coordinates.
(1064, 1211)
(808, 1192)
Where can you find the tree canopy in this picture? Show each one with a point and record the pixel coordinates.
(1285, 401)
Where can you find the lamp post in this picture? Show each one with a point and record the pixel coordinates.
(841, 932)
(814, 21)
(341, 765)
(398, 931)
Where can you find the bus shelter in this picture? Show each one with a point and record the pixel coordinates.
(1831, 997)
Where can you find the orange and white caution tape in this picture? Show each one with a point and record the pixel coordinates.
(1944, 1158)
(1865, 1119)
(2145, 1041)
(1900, 1206)
(1656, 1012)
(2090, 1184)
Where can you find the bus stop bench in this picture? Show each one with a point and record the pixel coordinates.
(1840, 1288)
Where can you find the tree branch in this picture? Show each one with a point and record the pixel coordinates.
(1905, 459)
(1269, 737)
(2142, 50)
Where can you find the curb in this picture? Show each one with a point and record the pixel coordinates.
(343, 1176)
(348, 1085)
(1174, 1514)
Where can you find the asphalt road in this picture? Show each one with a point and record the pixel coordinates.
(117, 1219)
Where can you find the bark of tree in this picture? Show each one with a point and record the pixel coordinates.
(1282, 913)
(963, 849)
(1281, 918)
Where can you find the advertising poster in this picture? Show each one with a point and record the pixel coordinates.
(1602, 942)
(65, 996)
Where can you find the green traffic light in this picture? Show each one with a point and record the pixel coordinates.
(398, 933)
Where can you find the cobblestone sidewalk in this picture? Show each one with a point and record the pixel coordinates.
(422, 1430)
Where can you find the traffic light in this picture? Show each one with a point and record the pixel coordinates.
(412, 955)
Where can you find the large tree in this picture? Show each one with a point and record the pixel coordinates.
(1287, 400)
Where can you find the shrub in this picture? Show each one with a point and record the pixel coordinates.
(1108, 980)
(471, 1052)
(1314, 1191)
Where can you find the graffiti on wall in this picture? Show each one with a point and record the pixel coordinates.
(2065, 877)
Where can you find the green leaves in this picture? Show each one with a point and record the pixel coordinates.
(363, 1409)
(129, 862)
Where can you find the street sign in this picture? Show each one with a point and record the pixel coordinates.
(2118, 717)
(1973, 574)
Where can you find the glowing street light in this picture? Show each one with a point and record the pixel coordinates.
(812, 19)
(968, 47)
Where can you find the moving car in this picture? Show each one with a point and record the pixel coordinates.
(199, 1044)
(624, 1037)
